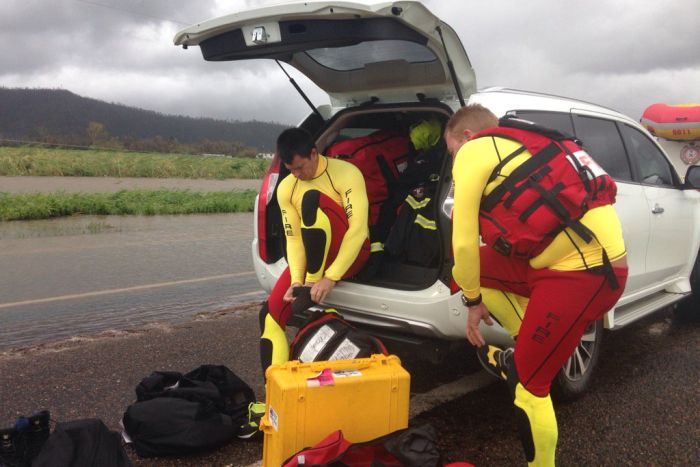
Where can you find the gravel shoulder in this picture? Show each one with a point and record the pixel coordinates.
(114, 184)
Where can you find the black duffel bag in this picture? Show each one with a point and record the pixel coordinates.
(82, 443)
(178, 414)
(216, 383)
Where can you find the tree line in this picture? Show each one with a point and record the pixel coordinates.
(60, 117)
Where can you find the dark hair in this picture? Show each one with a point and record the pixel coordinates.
(294, 142)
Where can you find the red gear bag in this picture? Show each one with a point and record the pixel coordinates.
(381, 157)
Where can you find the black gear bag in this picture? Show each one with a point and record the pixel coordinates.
(82, 443)
(178, 414)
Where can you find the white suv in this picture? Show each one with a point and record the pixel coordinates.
(394, 64)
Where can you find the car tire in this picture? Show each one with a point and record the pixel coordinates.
(688, 308)
(574, 379)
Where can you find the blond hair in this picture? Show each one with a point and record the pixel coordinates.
(474, 117)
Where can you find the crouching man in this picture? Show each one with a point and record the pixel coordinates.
(544, 210)
(324, 213)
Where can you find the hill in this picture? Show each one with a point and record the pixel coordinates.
(28, 113)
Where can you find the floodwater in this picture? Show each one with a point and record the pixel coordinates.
(114, 184)
(67, 277)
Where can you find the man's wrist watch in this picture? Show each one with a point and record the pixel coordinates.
(471, 302)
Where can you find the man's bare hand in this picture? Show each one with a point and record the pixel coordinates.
(321, 289)
(288, 295)
(474, 317)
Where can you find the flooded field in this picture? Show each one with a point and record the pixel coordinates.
(113, 184)
(73, 276)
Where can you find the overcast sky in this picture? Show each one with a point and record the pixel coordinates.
(623, 54)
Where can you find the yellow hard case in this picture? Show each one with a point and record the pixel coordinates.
(365, 398)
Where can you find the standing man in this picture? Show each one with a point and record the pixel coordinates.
(544, 210)
(324, 212)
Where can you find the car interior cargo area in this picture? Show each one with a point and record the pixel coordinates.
(401, 153)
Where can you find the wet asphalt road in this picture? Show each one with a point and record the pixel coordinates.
(643, 408)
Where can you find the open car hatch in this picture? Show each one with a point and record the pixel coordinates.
(391, 51)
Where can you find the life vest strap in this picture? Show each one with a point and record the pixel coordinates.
(497, 170)
(521, 172)
(549, 198)
(518, 190)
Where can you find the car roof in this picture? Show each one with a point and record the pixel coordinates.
(501, 100)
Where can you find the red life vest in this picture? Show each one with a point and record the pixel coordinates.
(381, 157)
(549, 192)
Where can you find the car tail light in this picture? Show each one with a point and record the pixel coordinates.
(267, 191)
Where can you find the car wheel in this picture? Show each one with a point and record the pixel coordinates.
(574, 379)
(688, 308)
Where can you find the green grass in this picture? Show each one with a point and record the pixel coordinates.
(37, 161)
(140, 202)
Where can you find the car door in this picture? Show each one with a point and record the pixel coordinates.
(671, 224)
(391, 52)
(602, 139)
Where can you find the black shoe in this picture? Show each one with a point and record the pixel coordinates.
(10, 452)
(21, 444)
(495, 360)
(251, 429)
(35, 434)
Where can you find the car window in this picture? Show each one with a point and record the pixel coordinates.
(654, 169)
(601, 139)
(555, 120)
(355, 57)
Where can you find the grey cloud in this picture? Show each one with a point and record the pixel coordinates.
(45, 35)
(261, 92)
(619, 53)
(622, 54)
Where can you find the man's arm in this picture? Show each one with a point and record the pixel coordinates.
(471, 170)
(296, 258)
(473, 165)
(354, 197)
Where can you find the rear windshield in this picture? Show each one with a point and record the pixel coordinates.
(355, 57)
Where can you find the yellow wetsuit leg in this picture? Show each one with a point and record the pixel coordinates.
(507, 307)
(273, 342)
(537, 426)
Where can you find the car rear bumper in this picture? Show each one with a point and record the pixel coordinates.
(429, 313)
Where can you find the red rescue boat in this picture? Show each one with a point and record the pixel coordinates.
(675, 122)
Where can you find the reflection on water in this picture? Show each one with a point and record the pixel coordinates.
(79, 225)
(58, 277)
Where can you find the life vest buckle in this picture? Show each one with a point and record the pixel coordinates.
(503, 246)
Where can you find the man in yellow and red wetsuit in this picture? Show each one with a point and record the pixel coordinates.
(575, 276)
(324, 213)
